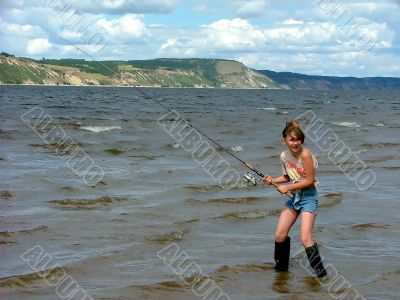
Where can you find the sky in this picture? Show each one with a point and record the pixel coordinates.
(319, 37)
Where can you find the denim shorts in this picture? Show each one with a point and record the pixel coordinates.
(304, 200)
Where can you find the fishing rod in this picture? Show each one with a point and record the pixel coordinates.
(248, 177)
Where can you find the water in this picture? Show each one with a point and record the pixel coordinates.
(153, 194)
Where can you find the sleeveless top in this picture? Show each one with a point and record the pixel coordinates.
(295, 169)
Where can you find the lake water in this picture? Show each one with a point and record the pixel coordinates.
(109, 237)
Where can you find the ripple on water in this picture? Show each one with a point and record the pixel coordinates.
(369, 226)
(249, 215)
(85, 203)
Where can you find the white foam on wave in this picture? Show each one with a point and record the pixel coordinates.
(100, 128)
(236, 149)
(266, 108)
(347, 124)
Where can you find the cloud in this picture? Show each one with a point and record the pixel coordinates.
(125, 29)
(204, 9)
(363, 64)
(38, 46)
(292, 22)
(250, 8)
(224, 36)
(121, 7)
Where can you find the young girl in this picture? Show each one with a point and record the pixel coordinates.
(298, 167)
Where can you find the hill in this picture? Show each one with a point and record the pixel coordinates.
(195, 72)
(155, 73)
(312, 82)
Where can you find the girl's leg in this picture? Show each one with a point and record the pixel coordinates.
(307, 225)
(282, 240)
(286, 220)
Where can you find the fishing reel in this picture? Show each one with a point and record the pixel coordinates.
(250, 178)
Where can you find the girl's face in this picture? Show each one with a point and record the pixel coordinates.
(293, 143)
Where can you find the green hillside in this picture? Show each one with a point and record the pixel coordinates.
(153, 73)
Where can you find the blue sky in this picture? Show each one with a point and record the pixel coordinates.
(323, 37)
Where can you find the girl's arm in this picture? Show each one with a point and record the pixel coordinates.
(280, 179)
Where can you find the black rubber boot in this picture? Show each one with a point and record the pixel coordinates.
(315, 260)
(282, 254)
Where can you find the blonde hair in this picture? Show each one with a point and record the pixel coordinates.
(293, 127)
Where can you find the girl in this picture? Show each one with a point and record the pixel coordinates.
(298, 168)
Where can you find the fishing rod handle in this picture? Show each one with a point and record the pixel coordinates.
(288, 193)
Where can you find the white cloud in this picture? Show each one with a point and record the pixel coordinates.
(250, 8)
(204, 9)
(19, 30)
(237, 35)
(121, 7)
(232, 34)
(335, 64)
(38, 46)
(292, 22)
(127, 28)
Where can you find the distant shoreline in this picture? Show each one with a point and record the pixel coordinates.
(138, 87)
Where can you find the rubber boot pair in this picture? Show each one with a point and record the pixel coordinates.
(315, 260)
(282, 254)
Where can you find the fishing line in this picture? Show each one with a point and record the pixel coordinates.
(248, 177)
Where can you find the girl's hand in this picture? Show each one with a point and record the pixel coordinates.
(267, 179)
(283, 188)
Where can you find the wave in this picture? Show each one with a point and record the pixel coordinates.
(6, 135)
(8, 233)
(25, 280)
(347, 124)
(266, 108)
(232, 149)
(391, 168)
(379, 145)
(173, 236)
(368, 226)
(164, 286)
(382, 159)
(172, 146)
(85, 203)
(237, 200)
(7, 242)
(203, 188)
(100, 128)
(236, 149)
(114, 151)
(198, 279)
(250, 215)
(215, 187)
(186, 222)
(246, 268)
(147, 157)
(6, 195)
(334, 199)
(67, 189)
(66, 147)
